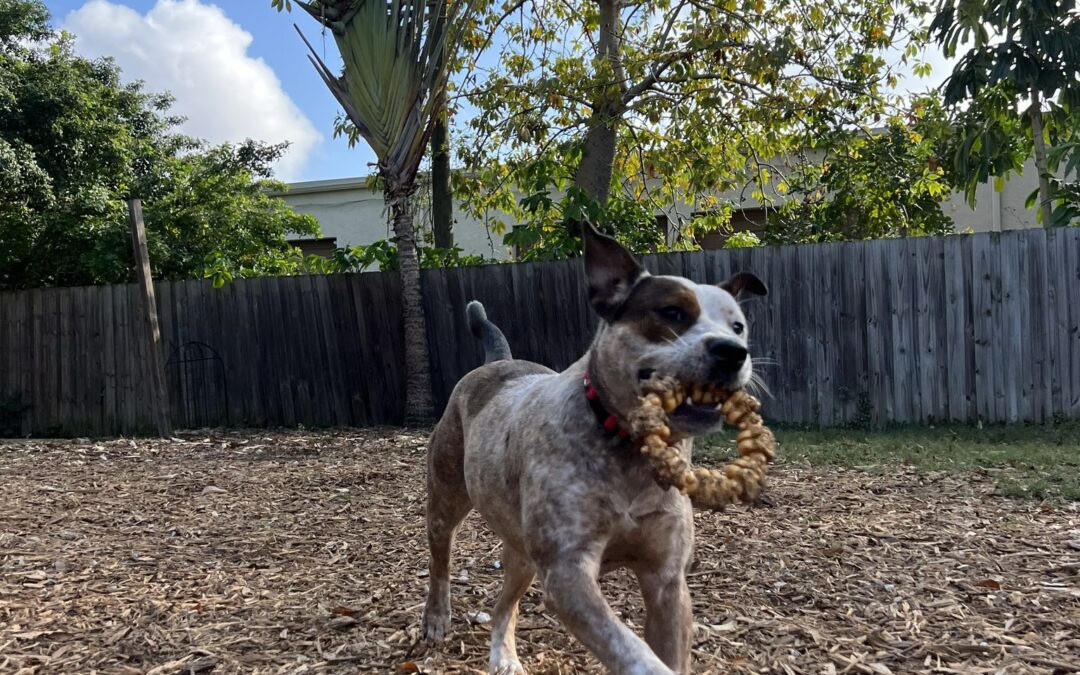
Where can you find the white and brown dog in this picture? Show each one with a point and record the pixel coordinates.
(540, 455)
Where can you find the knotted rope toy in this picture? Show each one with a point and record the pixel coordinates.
(739, 481)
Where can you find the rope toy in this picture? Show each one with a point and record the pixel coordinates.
(739, 481)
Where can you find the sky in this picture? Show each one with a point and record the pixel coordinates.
(236, 67)
(238, 70)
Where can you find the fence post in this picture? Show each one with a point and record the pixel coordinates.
(151, 330)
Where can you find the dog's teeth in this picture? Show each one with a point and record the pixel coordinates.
(688, 401)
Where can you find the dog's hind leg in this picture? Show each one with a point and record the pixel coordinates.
(518, 574)
(447, 505)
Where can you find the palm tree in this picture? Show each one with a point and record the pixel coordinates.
(392, 81)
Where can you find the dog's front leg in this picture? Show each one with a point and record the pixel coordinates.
(668, 616)
(571, 590)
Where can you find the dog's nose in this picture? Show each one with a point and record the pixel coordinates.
(728, 354)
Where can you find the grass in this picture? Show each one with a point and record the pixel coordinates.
(1025, 461)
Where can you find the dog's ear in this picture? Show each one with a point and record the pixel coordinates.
(745, 282)
(610, 271)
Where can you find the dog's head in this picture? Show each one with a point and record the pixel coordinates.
(672, 326)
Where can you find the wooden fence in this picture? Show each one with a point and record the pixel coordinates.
(961, 328)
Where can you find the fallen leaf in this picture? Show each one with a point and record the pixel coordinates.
(341, 610)
(989, 583)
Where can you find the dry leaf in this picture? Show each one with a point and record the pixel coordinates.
(344, 611)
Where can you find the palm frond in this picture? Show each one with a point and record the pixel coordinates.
(395, 69)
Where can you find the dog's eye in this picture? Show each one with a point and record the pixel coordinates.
(673, 314)
(738, 328)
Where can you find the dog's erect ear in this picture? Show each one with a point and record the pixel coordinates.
(745, 282)
(610, 271)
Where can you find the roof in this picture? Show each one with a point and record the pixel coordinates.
(331, 185)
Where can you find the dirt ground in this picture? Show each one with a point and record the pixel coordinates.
(304, 552)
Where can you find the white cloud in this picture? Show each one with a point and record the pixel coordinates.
(197, 53)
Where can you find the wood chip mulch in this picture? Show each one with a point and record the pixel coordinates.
(294, 552)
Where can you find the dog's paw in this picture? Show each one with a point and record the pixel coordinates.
(435, 626)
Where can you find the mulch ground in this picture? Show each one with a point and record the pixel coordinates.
(304, 552)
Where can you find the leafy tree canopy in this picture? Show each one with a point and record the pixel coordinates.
(700, 98)
(1016, 92)
(870, 186)
(75, 142)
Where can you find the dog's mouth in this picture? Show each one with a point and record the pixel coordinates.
(695, 403)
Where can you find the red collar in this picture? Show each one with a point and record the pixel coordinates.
(607, 420)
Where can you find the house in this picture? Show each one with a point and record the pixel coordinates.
(351, 213)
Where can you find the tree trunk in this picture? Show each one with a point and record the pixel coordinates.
(418, 406)
(442, 203)
(593, 174)
(1046, 204)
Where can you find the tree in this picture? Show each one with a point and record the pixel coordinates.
(75, 143)
(1021, 51)
(886, 183)
(396, 68)
(669, 103)
(442, 196)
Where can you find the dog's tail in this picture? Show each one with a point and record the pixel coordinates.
(496, 347)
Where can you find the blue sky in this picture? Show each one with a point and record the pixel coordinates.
(180, 46)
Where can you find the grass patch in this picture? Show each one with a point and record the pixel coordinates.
(1026, 461)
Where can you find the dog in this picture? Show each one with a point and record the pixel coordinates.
(542, 456)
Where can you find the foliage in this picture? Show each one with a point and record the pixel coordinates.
(699, 96)
(381, 254)
(1064, 158)
(869, 186)
(742, 239)
(552, 206)
(990, 139)
(1021, 53)
(384, 254)
(75, 143)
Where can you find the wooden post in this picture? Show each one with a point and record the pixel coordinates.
(152, 332)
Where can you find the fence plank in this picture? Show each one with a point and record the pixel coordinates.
(851, 334)
(982, 304)
(820, 301)
(794, 340)
(879, 329)
(1010, 340)
(1025, 349)
(906, 378)
(1071, 235)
